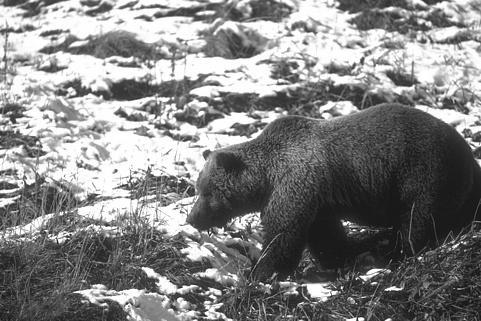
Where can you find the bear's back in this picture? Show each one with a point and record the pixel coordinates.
(388, 129)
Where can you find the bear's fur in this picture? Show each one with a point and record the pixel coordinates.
(388, 165)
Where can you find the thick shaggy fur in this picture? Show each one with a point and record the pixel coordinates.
(389, 165)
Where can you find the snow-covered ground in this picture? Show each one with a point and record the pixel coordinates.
(204, 74)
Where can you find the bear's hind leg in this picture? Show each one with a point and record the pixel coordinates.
(417, 228)
(327, 242)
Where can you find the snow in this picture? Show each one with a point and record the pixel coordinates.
(196, 252)
(373, 273)
(393, 288)
(320, 291)
(223, 278)
(30, 229)
(451, 117)
(164, 285)
(137, 303)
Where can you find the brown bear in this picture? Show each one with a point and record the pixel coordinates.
(389, 165)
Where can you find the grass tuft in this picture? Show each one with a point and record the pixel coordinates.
(114, 43)
(34, 200)
(270, 10)
(374, 18)
(401, 78)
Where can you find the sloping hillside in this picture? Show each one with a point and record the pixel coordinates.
(106, 107)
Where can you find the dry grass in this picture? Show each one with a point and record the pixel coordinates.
(38, 276)
(228, 45)
(34, 200)
(39, 273)
(271, 10)
(114, 43)
(443, 284)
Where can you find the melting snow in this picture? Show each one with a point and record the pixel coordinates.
(163, 284)
(93, 151)
(320, 291)
(137, 303)
(373, 273)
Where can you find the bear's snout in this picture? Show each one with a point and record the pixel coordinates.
(193, 220)
(193, 216)
(198, 216)
(189, 219)
(203, 215)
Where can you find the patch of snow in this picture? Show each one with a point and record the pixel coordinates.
(196, 252)
(163, 284)
(6, 201)
(181, 304)
(224, 125)
(446, 34)
(224, 278)
(138, 304)
(188, 289)
(338, 108)
(212, 314)
(213, 293)
(29, 229)
(173, 217)
(253, 246)
(109, 210)
(460, 11)
(452, 117)
(374, 273)
(205, 91)
(320, 291)
(393, 289)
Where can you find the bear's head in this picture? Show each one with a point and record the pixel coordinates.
(226, 188)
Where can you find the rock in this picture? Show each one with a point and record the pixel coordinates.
(339, 108)
(205, 91)
(451, 35)
(122, 4)
(228, 124)
(235, 40)
(198, 113)
(61, 108)
(242, 8)
(104, 6)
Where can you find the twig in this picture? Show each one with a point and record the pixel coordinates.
(410, 229)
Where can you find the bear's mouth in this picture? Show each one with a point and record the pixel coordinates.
(206, 223)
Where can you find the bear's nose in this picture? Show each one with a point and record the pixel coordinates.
(192, 219)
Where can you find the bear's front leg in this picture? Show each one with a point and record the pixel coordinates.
(286, 221)
(281, 253)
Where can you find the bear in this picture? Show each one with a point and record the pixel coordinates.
(389, 165)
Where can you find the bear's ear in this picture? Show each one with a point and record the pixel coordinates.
(230, 161)
(206, 153)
